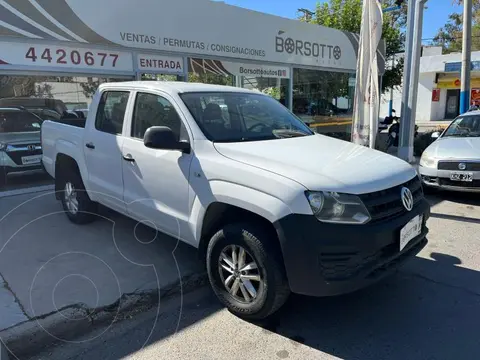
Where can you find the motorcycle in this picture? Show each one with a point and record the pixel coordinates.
(393, 125)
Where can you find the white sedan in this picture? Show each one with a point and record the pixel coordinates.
(452, 162)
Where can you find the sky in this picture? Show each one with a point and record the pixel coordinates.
(435, 16)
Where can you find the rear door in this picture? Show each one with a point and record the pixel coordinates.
(103, 142)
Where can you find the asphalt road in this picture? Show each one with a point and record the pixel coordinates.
(26, 180)
(429, 310)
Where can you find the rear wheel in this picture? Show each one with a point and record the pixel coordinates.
(75, 200)
(250, 283)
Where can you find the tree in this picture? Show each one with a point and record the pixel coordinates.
(347, 15)
(449, 36)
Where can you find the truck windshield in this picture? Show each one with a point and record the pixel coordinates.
(18, 121)
(467, 126)
(236, 117)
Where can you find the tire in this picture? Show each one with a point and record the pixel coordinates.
(85, 208)
(270, 293)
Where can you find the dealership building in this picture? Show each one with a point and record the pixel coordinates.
(63, 49)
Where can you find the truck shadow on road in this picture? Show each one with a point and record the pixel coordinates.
(429, 309)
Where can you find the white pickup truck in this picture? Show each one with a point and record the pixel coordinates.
(272, 207)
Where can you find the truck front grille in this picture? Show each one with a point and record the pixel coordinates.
(386, 204)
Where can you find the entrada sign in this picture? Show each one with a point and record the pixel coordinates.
(158, 63)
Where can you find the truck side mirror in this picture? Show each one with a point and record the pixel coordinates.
(162, 137)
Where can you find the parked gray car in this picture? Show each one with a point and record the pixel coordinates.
(20, 147)
(452, 162)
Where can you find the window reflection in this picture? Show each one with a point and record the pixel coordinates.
(319, 96)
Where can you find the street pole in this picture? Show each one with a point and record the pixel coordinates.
(405, 150)
(466, 56)
(390, 103)
(407, 72)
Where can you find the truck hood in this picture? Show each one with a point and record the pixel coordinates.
(323, 163)
(20, 138)
(455, 148)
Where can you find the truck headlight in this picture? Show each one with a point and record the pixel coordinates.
(427, 161)
(332, 207)
(3, 146)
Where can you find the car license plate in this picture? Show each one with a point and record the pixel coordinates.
(461, 176)
(410, 231)
(31, 160)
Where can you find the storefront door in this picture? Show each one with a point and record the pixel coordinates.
(452, 109)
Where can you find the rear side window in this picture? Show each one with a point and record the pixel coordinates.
(111, 112)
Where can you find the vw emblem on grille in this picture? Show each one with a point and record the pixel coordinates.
(462, 166)
(31, 147)
(407, 198)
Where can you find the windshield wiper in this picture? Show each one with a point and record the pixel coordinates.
(288, 133)
(244, 139)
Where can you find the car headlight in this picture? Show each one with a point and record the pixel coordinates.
(332, 207)
(427, 161)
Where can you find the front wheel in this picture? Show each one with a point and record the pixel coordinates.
(246, 271)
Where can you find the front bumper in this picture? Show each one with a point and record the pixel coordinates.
(11, 162)
(440, 179)
(330, 259)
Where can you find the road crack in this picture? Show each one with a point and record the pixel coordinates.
(15, 297)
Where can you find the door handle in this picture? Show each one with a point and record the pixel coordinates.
(90, 145)
(129, 158)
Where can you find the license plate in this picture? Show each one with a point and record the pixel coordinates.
(31, 160)
(461, 176)
(410, 231)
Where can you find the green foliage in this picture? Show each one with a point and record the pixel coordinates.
(450, 35)
(347, 15)
(207, 78)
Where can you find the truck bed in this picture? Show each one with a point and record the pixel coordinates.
(72, 122)
(59, 136)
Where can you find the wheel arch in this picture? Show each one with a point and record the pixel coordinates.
(220, 213)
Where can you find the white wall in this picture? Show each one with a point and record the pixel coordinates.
(424, 97)
(397, 103)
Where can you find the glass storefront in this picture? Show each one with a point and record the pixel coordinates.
(25, 102)
(161, 77)
(323, 96)
(276, 88)
(209, 72)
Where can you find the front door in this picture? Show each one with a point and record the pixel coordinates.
(102, 146)
(156, 186)
(452, 109)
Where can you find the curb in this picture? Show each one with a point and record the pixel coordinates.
(38, 334)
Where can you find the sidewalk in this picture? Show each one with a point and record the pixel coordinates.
(58, 278)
